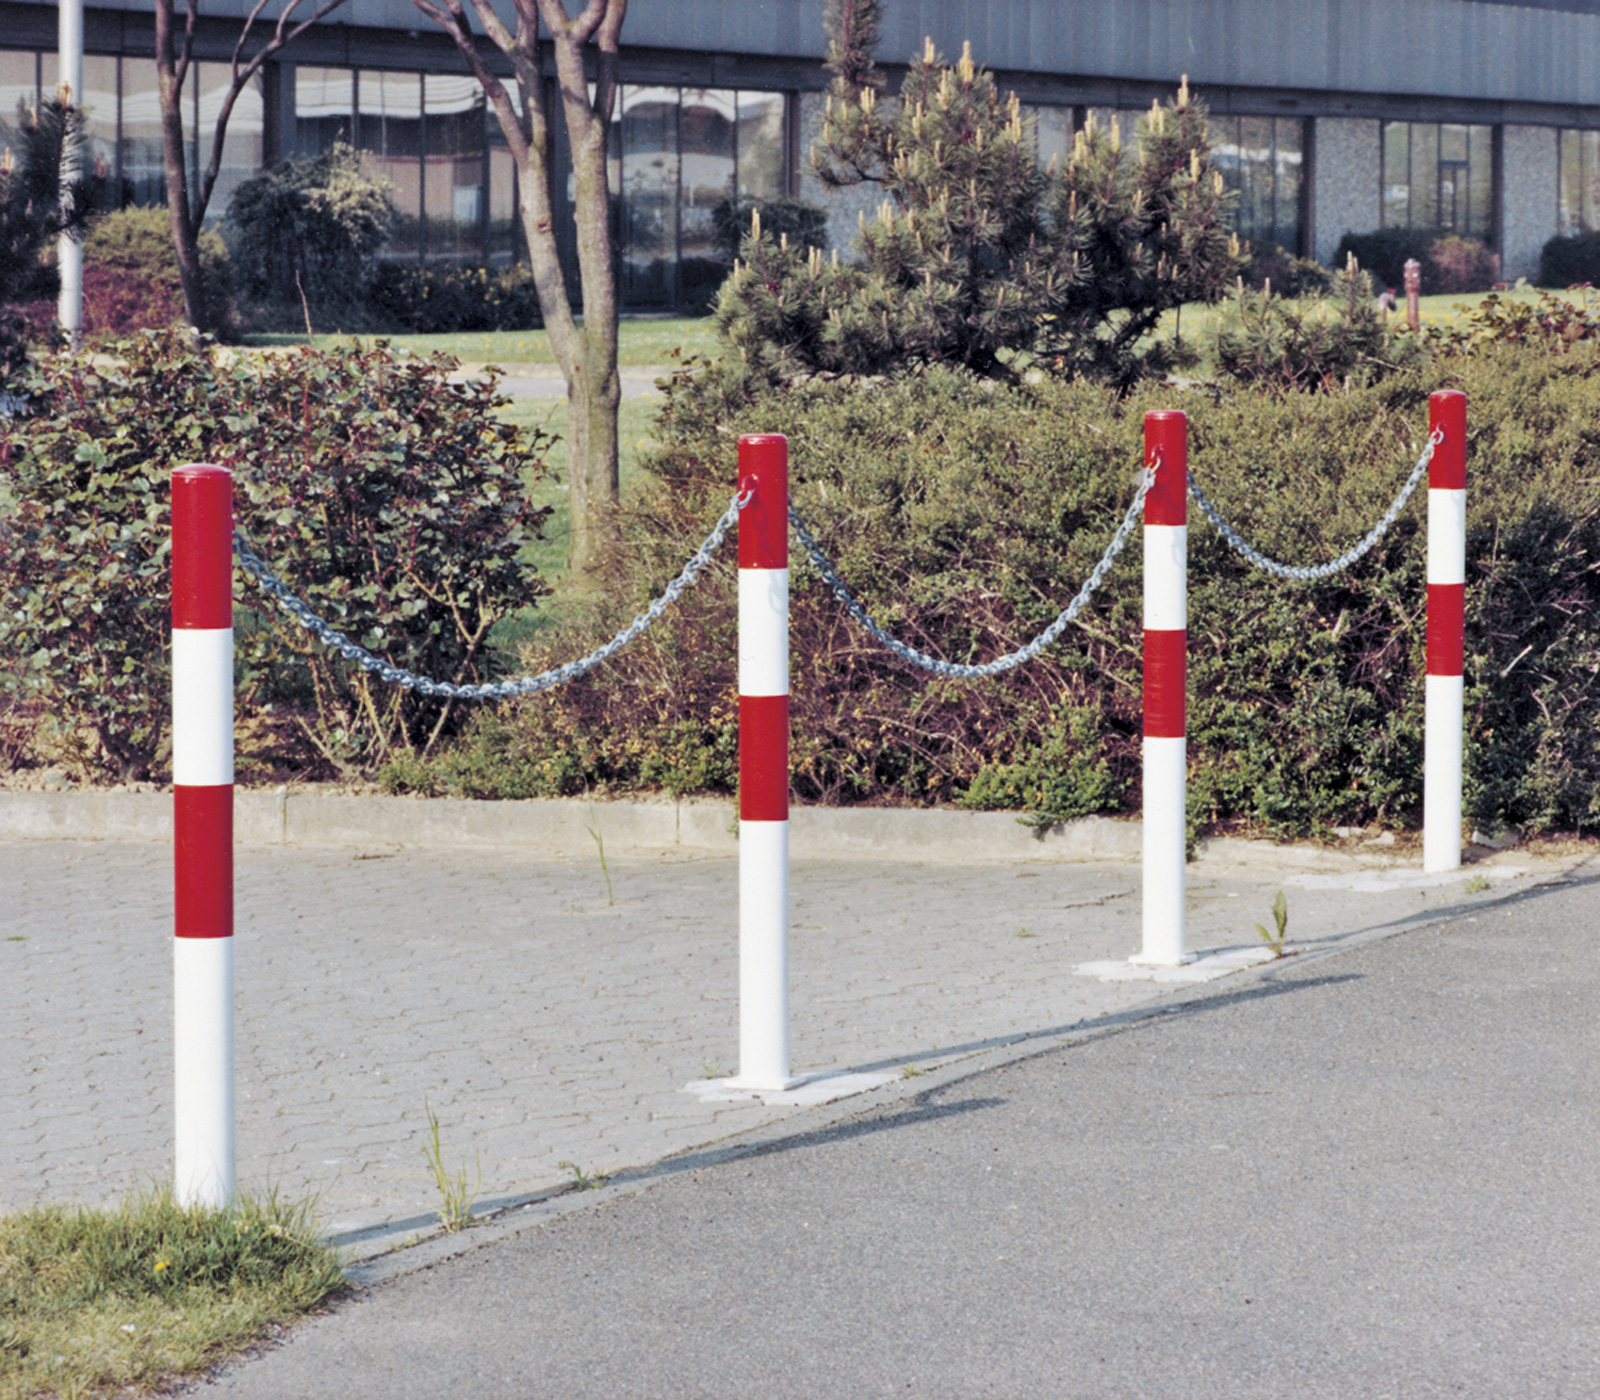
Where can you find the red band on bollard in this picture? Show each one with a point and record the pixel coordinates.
(1166, 448)
(1447, 616)
(764, 521)
(1447, 410)
(203, 864)
(764, 758)
(202, 547)
(1165, 670)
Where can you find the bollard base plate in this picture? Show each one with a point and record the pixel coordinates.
(796, 1092)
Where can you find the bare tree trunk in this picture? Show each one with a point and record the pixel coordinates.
(587, 354)
(172, 70)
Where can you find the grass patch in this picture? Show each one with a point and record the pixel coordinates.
(636, 421)
(92, 1301)
(641, 341)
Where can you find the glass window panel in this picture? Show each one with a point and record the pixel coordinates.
(143, 180)
(1452, 142)
(241, 150)
(1396, 174)
(1569, 215)
(1589, 181)
(455, 196)
(763, 147)
(1480, 205)
(1289, 168)
(1255, 159)
(1227, 159)
(502, 200)
(389, 137)
(18, 92)
(649, 194)
(1424, 175)
(1053, 135)
(324, 106)
(707, 137)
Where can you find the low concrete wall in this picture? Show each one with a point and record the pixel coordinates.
(318, 819)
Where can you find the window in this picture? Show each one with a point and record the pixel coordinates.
(1262, 159)
(242, 144)
(1580, 182)
(389, 138)
(1052, 135)
(454, 197)
(1439, 175)
(324, 109)
(144, 179)
(677, 154)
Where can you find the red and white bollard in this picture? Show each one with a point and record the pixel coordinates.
(202, 791)
(1447, 602)
(764, 764)
(1166, 624)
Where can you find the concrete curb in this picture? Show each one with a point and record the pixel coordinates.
(285, 817)
(560, 826)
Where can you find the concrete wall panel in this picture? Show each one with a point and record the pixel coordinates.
(1347, 198)
(1529, 197)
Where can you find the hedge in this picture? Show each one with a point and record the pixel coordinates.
(964, 516)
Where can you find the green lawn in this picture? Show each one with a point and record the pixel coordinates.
(635, 429)
(644, 340)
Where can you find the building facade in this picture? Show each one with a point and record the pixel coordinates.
(1328, 116)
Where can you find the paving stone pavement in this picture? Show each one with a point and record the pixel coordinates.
(543, 1017)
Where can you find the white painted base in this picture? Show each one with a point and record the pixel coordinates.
(203, 1168)
(1165, 777)
(1441, 773)
(1197, 967)
(764, 955)
(808, 1089)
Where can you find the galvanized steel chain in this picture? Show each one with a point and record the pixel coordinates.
(954, 670)
(256, 567)
(1260, 560)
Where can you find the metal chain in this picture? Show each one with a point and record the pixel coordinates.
(256, 567)
(1271, 566)
(953, 669)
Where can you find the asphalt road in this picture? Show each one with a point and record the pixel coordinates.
(1368, 1173)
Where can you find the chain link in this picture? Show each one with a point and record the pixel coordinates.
(954, 670)
(1260, 560)
(257, 568)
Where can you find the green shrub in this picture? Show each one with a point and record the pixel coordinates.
(1276, 269)
(130, 276)
(1312, 342)
(1384, 253)
(804, 224)
(311, 228)
(1449, 262)
(1548, 324)
(1570, 262)
(432, 298)
(392, 500)
(1460, 265)
(965, 515)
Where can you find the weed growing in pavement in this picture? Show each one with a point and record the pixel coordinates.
(909, 1071)
(1280, 916)
(582, 1180)
(455, 1209)
(1477, 884)
(711, 1071)
(593, 828)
